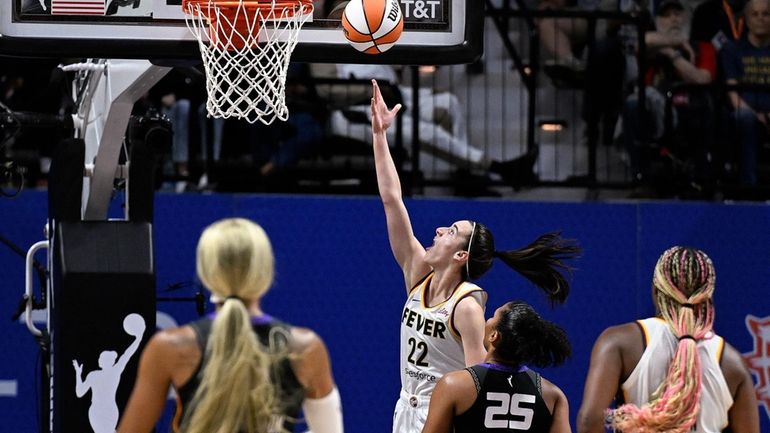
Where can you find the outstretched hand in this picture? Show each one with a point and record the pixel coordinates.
(382, 117)
(78, 367)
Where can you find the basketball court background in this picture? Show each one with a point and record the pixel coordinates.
(336, 274)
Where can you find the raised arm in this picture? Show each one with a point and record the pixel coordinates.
(80, 387)
(131, 349)
(409, 253)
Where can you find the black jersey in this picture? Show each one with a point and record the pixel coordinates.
(507, 400)
(290, 391)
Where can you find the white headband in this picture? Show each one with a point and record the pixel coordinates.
(470, 242)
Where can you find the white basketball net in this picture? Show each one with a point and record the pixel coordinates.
(245, 67)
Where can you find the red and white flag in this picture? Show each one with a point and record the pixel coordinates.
(77, 7)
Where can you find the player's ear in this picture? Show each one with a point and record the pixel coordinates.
(461, 256)
(494, 337)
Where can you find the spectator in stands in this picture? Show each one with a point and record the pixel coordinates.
(565, 39)
(173, 97)
(281, 145)
(715, 22)
(746, 61)
(211, 144)
(31, 85)
(442, 126)
(672, 61)
(178, 112)
(436, 109)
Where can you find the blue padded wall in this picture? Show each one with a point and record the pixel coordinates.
(336, 275)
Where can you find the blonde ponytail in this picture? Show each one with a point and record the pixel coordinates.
(235, 261)
(235, 393)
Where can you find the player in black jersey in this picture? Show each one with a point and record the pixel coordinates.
(503, 394)
(227, 380)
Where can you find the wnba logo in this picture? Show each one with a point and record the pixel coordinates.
(759, 360)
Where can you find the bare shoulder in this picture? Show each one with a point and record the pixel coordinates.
(176, 352)
(174, 339)
(551, 390)
(620, 332)
(457, 381)
(469, 305)
(304, 340)
(310, 362)
(552, 393)
(458, 387)
(733, 367)
(620, 337)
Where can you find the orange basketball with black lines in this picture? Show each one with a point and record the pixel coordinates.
(372, 26)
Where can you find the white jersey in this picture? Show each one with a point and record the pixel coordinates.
(650, 372)
(430, 344)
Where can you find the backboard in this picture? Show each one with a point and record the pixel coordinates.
(435, 32)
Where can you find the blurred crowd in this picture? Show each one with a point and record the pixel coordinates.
(679, 88)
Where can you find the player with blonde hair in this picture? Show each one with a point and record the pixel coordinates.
(238, 370)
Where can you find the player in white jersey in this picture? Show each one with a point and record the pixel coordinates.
(670, 373)
(442, 326)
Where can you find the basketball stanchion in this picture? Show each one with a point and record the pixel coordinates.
(246, 47)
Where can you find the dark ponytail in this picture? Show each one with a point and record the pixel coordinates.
(542, 262)
(527, 339)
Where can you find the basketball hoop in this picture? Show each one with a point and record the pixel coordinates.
(246, 46)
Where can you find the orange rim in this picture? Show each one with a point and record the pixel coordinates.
(229, 8)
(250, 4)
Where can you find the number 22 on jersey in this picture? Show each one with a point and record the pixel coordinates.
(418, 350)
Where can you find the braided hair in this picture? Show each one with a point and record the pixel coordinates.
(683, 285)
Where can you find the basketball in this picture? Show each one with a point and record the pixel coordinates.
(134, 325)
(372, 26)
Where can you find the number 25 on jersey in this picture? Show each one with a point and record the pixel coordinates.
(497, 415)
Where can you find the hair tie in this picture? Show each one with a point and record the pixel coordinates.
(685, 337)
(234, 297)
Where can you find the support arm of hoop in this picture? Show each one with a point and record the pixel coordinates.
(124, 82)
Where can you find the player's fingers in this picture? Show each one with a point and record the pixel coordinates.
(375, 91)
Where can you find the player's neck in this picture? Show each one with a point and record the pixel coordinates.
(443, 284)
(492, 361)
(255, 310)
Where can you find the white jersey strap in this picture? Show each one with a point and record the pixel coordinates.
(467, 290)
